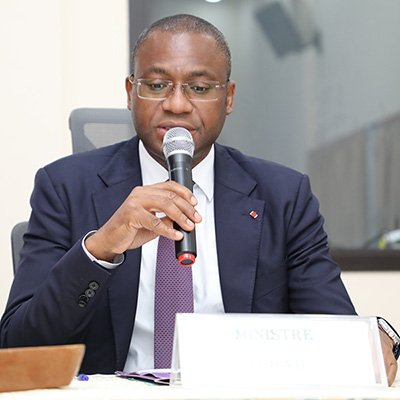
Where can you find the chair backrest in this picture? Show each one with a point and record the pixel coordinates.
(90, 128)
(17, 241)
(97, 127)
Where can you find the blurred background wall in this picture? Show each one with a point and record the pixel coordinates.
(55, 55)
(317, 89)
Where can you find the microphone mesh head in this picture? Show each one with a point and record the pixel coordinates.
(178, 140)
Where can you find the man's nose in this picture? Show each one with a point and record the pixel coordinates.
(177, 101)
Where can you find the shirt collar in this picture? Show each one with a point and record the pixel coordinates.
(203, 173)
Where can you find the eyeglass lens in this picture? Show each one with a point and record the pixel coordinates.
(161, 89)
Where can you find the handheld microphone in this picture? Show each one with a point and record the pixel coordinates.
(178, 149)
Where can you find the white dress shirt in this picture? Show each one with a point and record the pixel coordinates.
(206, 283)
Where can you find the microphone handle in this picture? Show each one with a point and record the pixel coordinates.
(180, 171)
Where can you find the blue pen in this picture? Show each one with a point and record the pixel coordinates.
(82, 377)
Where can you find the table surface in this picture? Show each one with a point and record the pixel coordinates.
(110, 387)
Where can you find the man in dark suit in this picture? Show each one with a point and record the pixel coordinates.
(87, 267)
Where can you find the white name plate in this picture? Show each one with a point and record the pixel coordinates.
(276, 350)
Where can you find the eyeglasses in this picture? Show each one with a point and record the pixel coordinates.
(160, 89)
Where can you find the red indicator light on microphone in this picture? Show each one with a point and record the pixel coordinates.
(186, 259)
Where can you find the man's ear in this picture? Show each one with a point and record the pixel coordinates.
(229, 97)
(129, 88)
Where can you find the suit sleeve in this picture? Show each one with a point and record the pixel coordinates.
(56, 288)
(315, 285)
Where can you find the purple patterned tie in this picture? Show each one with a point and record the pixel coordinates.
(173, 294)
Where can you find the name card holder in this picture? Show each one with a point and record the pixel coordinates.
(276, 350)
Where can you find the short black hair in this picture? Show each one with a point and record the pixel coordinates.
(181, 23)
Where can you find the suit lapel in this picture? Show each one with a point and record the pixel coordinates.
(120, 176)
(238, 222)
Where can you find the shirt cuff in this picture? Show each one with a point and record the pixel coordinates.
(118, 259)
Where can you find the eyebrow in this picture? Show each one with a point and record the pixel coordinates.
(200, 73)
(156, 69)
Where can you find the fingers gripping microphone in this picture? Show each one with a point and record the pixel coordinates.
(178, 148)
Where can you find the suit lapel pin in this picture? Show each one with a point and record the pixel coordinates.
(253, 214)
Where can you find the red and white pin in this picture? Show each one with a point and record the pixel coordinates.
(253, 214)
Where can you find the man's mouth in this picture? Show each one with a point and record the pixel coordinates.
(164, 128)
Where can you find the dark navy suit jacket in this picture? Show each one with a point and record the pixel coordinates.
(275, 263)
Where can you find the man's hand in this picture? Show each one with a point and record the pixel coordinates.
(135, 222)
(390, 361)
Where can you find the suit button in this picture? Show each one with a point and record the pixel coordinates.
(94, 285)
(83, 301)
(89, 293)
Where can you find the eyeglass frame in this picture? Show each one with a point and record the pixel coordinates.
(171, 85)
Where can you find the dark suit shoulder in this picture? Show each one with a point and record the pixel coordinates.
(269, 175)
(254, 163)
(92, 158)
(109, 164)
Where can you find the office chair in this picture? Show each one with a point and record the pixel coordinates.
(17, 241)
(97, 127)
(90, 128)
